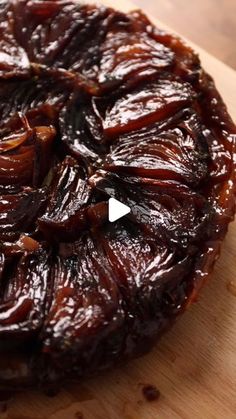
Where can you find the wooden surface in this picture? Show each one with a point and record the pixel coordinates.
(209, 23)
(194, 365)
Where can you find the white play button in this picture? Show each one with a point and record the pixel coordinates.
(116, 210)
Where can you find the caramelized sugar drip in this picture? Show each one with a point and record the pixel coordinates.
(95, 103)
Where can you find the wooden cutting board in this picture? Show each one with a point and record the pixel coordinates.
(194, 365)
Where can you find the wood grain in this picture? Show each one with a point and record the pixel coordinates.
(194, 365)
(209, 23)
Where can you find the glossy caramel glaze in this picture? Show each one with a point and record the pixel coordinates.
(95, 103)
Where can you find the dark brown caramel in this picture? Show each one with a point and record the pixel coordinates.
(95, 103)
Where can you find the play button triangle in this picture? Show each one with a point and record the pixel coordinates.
(116, 210)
